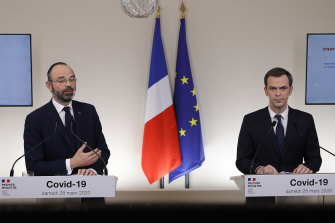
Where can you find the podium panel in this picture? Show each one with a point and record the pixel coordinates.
(286, 184)
(58, 186)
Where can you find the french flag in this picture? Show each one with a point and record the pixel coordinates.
(160, 150)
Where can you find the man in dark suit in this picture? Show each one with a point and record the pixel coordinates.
(62, 153)
(282, 147)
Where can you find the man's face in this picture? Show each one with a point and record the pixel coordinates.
(278, 90)
(63, 84)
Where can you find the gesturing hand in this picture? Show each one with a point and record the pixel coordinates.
(82, 159)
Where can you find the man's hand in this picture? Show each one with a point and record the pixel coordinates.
(302, 169)
(81, 159)
(86, 172)
(269, 169)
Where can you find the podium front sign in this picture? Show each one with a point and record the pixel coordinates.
(289, 185)
(58, 186)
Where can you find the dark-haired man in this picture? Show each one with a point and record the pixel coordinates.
(263, 149)
(63, 153)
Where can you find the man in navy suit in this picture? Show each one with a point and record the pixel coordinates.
(281, 149)
(62, 153)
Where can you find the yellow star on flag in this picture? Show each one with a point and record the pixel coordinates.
(193, 122)
(182, 132)
(184, 80)
(196, 107)
(193, 92)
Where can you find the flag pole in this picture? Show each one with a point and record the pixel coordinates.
(158, 11)
(161, 181)
(182, 9)
(187, 181)
(187, 176)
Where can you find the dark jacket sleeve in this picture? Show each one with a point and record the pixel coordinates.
(312, 157)
(245, 149)
(35, 158)
(100, 143)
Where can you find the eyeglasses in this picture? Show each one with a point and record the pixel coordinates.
(63, 81)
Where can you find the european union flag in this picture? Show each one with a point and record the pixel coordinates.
(187, 112)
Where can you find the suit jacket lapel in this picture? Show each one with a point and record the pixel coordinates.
(267, 123)
(54, 114)
(78, 120)
(289, 130)
(61, 127)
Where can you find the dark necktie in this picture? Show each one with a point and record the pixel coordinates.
(69, 123)
(280, 133)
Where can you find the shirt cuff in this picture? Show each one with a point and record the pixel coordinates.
(68, 166)
(94, 171)
(69, 170)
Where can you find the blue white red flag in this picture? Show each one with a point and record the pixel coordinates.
(160, 150)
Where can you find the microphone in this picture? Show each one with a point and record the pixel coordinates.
(105, 169)
(260, 145)
(43, 141)
(310, 141)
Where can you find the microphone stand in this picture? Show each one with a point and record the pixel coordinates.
(310, 141)
(260, 145)
(12, 170)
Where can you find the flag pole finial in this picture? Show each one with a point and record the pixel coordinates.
(182, 9)
(158, 12)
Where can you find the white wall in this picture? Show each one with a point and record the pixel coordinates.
(232, 44)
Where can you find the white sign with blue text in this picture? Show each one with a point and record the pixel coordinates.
(58, 186)
(289, 185)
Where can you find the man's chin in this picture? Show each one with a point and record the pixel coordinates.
(280, 106)
(66, 98)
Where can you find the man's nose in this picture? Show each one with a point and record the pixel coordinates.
(68, 83)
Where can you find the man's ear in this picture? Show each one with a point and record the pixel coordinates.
(265, 91)
(291, 90)
(48, 84)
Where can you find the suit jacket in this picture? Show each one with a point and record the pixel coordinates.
(296, 150)
(49, 158)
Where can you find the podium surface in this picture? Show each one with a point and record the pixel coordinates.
(286, 184)
(58, 186)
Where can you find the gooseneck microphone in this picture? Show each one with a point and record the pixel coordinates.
(105, 166)
(310, 141)
(260, 145)
(36, 146)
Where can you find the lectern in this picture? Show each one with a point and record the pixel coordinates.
(58, 187)
(286, 185)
